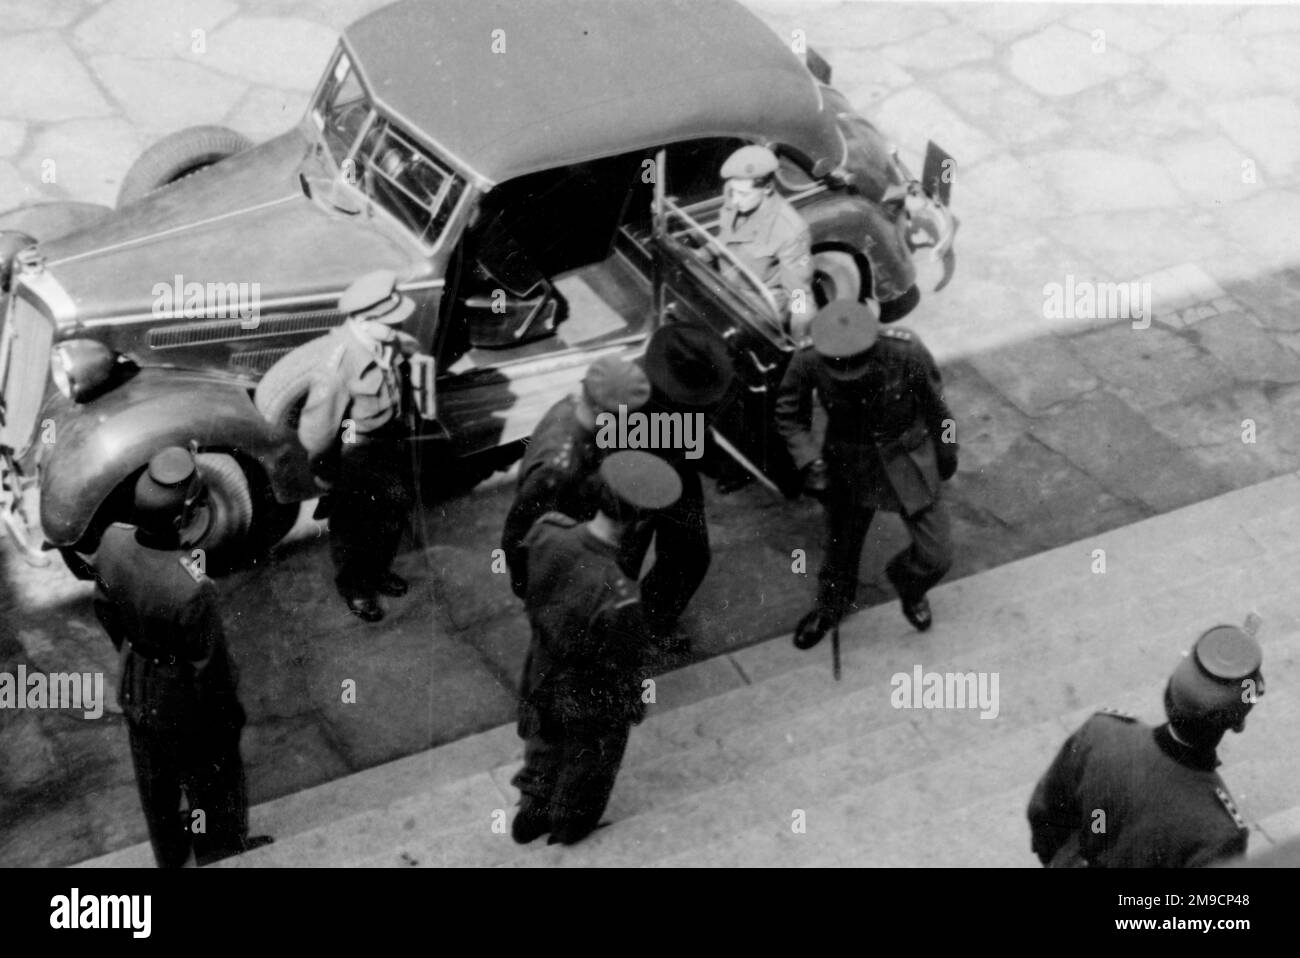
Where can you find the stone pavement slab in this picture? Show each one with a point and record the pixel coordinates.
(1147, 368)
(1104, 436)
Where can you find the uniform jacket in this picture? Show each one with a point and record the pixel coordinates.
(589, 639)
(884, 429)
(558, 474)
(161, 613)
(360, 380)
(775, 243)
(1164, 804)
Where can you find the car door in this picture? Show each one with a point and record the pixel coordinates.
(690, 286)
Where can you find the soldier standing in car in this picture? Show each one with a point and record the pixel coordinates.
(177, 688)
(581, 688)
(890, 442)
(767, 234)
(559, 469)
(354, 426)
(1121, 794)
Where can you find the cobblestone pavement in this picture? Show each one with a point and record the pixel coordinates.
(1095, 145)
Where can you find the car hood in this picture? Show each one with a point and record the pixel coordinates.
(245, 220)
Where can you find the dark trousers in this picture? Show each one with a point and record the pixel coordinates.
(913, 571)
(681, 539)
(569, 769)
(369, 508)
(205, 766)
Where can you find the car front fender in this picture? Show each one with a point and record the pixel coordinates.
(855, 223)
(96, 446)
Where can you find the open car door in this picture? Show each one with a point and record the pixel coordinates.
(698, 280)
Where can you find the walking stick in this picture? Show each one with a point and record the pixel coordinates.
(835, 651)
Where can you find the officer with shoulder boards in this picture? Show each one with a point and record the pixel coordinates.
(178, 683)
(890, 443)
(353, 426)
(1121, 794)
(581, 688)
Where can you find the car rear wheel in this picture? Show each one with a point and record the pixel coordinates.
(178, 155)
(836, 276)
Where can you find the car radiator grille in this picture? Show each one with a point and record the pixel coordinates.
(24, 366)
(183, 335)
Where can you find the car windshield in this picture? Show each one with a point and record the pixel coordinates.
(341, 110)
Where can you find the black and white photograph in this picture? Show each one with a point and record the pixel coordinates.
(651, 433)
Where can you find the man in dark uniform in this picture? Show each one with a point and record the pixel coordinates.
(353, 426)
(890, 441)
(1121, 794)
(690, 373)
(581, 688)
(767, 234)
(559, 469)
(178, 683)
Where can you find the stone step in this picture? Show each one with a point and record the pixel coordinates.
(793, 711)
(848, 794)
(655, 774)
(991, 832)
(736, 744)
(1278, 829)
(383, 784)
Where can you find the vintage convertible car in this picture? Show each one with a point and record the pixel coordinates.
(536, 173)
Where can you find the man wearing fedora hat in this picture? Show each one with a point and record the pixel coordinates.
(581, 689)
(890, 442)
(690, 374)
(353, 425)
(1121, 794)
(559, 469)
(178, 685)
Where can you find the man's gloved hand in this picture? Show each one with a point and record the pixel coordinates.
(946, 459)
(816, 480)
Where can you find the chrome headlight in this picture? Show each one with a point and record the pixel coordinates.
(81, 366)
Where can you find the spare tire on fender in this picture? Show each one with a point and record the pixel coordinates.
(280, 393)
(177, 155)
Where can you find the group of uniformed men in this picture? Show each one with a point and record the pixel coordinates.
(575, 540)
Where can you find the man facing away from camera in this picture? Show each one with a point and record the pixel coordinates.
(1121, 794)
(581, 687)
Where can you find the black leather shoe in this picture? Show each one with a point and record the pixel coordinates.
(365, 606)
(812, 628)
(918, 613)
(390, 583)
(530, 823)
